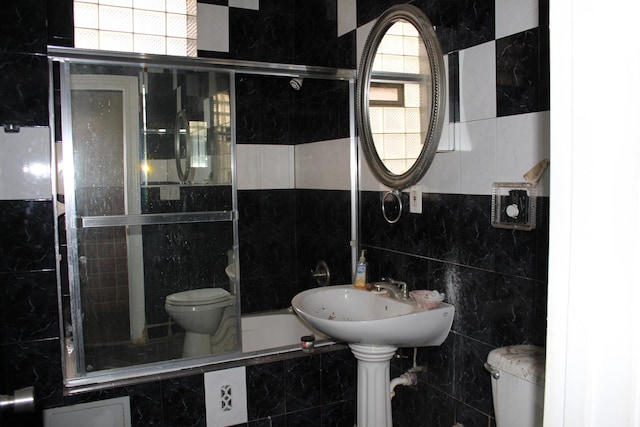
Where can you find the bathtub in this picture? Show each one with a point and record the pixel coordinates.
(276, 330)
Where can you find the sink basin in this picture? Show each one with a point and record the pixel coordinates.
(357, 316)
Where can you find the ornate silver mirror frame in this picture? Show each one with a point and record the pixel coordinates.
(434, 90)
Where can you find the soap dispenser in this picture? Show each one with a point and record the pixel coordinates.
(360, 280)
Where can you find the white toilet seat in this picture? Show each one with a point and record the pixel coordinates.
(196, 297)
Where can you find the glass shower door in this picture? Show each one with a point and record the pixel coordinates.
(149, 204)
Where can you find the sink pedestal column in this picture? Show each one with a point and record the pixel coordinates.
(374, 400)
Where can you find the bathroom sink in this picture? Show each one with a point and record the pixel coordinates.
(357, 316)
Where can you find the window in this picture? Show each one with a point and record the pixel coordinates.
(164, 27)
(395, 107)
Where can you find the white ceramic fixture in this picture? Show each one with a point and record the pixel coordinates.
(374, 326)
(357, 316)
(199, 312)
(517, 384)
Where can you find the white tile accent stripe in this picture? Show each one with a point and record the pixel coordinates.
(323, 165)
(514, 16)
(478, 82)
(347, 16)
(213, 27)
(263, 167)
(25, 169)
(245, 4)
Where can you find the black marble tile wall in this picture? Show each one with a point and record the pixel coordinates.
(496, 279)
(475, 22)
(318, 390)
(24, 80)
(287, 32)
(316, 21)
(60, 22)
(24, 75)
(267, 236)
(522, 72)
(263, 35)
(23, 27)
(263, 122)
(459, 24)
(283, 234)
(29, 337)
(319, 111)
(324, 233)
(26, 227)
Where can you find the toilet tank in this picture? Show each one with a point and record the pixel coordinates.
(518, 390)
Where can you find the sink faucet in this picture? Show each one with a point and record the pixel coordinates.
(397, 289)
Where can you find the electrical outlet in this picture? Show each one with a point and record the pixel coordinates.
(415, 199)
(226, 397)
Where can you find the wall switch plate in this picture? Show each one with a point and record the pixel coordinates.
(226, 397)
(415, 199)
(169, 192)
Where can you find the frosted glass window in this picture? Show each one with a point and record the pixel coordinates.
(86, 15)
(120, 3)
(397, 130)
(412, 95)
(376, 119)
(158, 5)
(413, 146)
(175, 46)
(394, 146)
(165, 27)
(394, 121)
(176, 25)
(149, 22)
(87, 39)
(116, 18)
(116, 41)
(149, 44)
(412, 120)
(177, 6)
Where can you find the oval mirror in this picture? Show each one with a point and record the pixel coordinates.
(401, 96)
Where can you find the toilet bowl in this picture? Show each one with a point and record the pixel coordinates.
(199, 312)
(517, 383)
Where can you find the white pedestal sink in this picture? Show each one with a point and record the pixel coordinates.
(374, 326)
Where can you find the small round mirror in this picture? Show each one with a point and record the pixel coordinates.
(400, 96)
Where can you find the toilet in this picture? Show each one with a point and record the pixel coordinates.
(517, 383)
(199, 312)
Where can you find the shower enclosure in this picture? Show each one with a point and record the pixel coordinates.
(147, 156)
(148, 203)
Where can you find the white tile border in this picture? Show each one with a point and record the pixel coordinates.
(478, 82)
(25, 166)
(213, 27)
(515, 16)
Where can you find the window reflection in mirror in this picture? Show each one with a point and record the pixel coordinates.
(399, 97)
(403, 69)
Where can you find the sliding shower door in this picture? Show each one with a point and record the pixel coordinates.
(149, 206)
